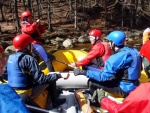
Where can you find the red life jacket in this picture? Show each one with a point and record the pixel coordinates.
(108, 51)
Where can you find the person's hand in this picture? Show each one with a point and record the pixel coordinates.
(98, 95)
(52, 57)
(73, 64)
(65, 75)
(78, 71)
(38, 20)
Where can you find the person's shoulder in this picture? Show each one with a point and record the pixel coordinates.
(28, 56)
(99, 45)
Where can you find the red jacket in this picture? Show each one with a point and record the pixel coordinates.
(144, 51)
(33, 30)
(138, 101)
(98, 50)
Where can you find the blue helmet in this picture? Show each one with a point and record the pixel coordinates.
(118, 37)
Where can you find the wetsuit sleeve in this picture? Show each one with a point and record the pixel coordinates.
(120, 60)
(96, 51)
(29, 64)
(29, 28)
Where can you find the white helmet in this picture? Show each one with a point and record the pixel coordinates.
(146, 30)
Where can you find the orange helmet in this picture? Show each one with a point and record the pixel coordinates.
(21, 41)
(95, 33)
(25, 14)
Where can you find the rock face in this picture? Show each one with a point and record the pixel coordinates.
(68, 43)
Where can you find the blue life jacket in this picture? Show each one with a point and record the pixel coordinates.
(130, 81)
(134, 71)
(10, 101)
(16, 78)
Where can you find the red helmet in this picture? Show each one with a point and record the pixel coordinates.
(21, 41)
(144, 51)
(96, 33)
(25, 14)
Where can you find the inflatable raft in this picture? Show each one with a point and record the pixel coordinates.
(63, 58)
(72, 88)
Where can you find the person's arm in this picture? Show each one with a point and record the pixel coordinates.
(32, 66)
(115, 62)
(29, 28)
(97, 51)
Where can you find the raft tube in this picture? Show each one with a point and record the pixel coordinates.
(73, 82)
(66, 56)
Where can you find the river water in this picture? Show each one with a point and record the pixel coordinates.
(78, 46)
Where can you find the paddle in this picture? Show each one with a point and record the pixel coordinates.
(40, 110)
(64, 63)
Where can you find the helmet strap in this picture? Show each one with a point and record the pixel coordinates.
(112, 46)
(96, 39)
(28, 48)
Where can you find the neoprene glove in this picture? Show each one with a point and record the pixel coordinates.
(52, 57)
(78, 71)
(98, 95)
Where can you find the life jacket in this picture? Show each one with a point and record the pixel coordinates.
(134, 71)
(108, 51)
(10, 101)
(99, 62)
(16, 78)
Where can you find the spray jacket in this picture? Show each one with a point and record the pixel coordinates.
(99, 50)
(33, 30)
(125, 66)
(10, 101)
(27, 72)
(137, 101)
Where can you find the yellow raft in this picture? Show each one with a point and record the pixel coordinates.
(69, 56)
(66, 56)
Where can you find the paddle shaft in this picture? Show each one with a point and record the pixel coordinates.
(64, 63)
(41, 110)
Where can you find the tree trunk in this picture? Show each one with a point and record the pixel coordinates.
(17, 18)
(1, 8)
(49, 16)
